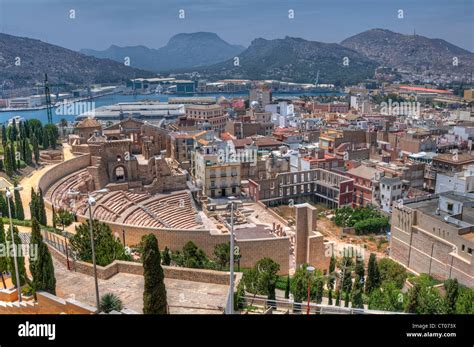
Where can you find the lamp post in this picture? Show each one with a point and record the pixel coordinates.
(231, 260)
(309, 270)
(91, 202)
(15, 260)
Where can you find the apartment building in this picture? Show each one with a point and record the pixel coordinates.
(435, 235)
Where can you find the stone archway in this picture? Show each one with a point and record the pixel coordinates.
(120, 173)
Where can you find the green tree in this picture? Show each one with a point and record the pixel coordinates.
(465, 301)
(412, 304)
(319, 290)
(41, 208)
(267, 278)
(3, 260)
(19, 213)
(4, 135)
(64, 218)
(338, 297)
(36, 153)
(222, 255)
(107, 248)
(390, 270)
(347, 298)
(373, 275)
(287, 287)
(154, 295)
(166, 257)
(3, 206)
(357, 299)
(386, 298)
(7, 155)
(194, 257)
(430, 301)
(110, 302)
(20, 258)
(299, 284)
(41, 268)
(239, 297)
(330, 296)
(451, 296)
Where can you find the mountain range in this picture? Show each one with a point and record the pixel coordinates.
(24, 61)
(413, 53)
(296, 60)
(181, 51)
(289, 59)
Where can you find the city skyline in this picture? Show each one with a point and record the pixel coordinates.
(97, 25)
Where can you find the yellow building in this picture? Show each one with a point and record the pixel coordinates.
(215, 175)
(469, 94)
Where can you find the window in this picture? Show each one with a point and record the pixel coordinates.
(120, 174)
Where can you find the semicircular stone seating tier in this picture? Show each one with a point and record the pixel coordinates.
(174, 210)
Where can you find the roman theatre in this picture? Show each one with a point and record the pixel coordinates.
(148, 192)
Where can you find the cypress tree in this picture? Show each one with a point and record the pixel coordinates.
(13, 155)
(36, 153)
(12, 207)
(41, 208)
(20, 258)
(319, 291)
(4, 135)
(3, 206)
(8, 161)
(154, 295)
(412, 300)
(13, 131)
(28, 153)
(346, 299)
(357, 301)
(451, 296)
(330, 296)
(373, 275)
(19, 212)
(338, 297)
(287, 288)
(34, 205)
(41, 267)
(166, 257)
(3, 260)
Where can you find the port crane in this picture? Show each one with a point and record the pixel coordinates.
(48, 99)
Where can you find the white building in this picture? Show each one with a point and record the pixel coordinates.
(461, 182)
(390, 192)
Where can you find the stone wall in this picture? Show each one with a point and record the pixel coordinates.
(135, 268)
(252, 250)
(422, 251)
(62, 170)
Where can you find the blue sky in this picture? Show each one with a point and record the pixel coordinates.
(100, 23)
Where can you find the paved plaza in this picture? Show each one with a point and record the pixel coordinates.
(184, 297)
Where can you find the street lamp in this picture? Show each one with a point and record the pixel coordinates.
(91, 202)
(231, 260)
(15, 260)
(309, 270)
